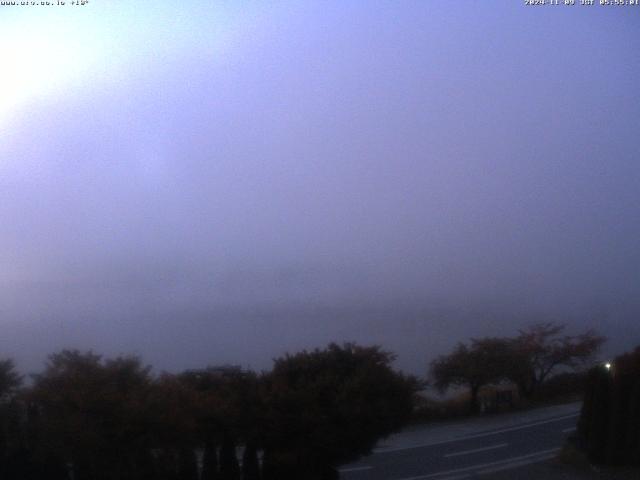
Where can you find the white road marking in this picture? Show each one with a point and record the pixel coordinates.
(477, 435)
(567, 430)
(520, 427)
(475, 450)
(355, 469)
(506, 464)
(511, 465)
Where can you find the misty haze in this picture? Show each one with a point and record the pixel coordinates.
(227, 185)
(223, 183)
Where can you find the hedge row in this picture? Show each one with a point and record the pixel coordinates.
(609, 425)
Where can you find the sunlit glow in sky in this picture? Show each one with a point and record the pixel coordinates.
(70, 51)
(37, 59)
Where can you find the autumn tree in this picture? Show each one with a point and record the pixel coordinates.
(328, 407)
(10, 413)
(10, 380)
(542, 348)
(90, 414)
(228, 415)
(170, 408)
(482, 362)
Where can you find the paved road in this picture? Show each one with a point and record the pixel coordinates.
(475, 454)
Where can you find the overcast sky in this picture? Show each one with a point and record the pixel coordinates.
(221, 182)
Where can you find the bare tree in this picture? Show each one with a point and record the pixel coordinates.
(483, 362)
(541, 348)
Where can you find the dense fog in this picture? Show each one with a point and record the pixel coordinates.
(224, 184)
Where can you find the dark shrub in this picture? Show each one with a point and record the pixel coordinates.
(609, 425)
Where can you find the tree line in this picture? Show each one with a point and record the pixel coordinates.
(86, 417)
(526, 360)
